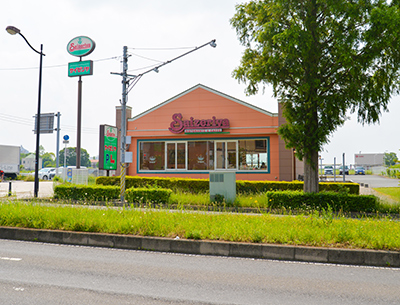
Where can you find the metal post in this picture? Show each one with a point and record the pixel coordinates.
(36, 187)
(65, 162)
(344, 169)
(123, 123)
(334, 169)
(78, 131)
(58, 143)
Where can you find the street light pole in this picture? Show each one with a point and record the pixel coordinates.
(13, 30)
(126, 88)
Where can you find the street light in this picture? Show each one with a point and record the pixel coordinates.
(126, 88)
(13, 30)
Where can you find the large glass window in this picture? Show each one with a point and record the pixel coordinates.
(152, 155)
(201, 155)
(226, 154)
(176, 155)
(242, 155)
(253, 155)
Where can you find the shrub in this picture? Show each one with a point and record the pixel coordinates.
(147, 195)
(85, 192)
(317, 201)
(242, 186)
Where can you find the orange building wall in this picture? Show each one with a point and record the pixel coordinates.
(203, 104)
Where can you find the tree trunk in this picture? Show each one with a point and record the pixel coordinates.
(311, 176)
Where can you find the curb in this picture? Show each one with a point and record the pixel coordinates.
(376, 258)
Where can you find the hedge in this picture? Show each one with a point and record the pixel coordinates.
(317, 201)
(242, 186)
(86, 192)
(147, 195)
(175, 184)
(105, 193)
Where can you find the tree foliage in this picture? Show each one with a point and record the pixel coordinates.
(71, 157)
(48, 159)
(323, 58)
(390, 159)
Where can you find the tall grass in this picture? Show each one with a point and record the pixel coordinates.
(317, 229)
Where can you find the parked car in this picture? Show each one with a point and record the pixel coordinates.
(328, 170)
(359, 170)
(346, 170)
(44, 173)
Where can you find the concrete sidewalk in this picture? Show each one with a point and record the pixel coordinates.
(25, 189)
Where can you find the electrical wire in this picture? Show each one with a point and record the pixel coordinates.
(161, 49)
(54, 66)
(31, 122)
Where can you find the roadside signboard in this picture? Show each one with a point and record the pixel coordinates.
(108, 147)
(80, 68)
(81, 46)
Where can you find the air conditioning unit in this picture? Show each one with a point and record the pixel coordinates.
(223, 183)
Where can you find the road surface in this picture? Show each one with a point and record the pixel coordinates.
(36, 273)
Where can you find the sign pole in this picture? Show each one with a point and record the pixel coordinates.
(80, 46)
(78, 129)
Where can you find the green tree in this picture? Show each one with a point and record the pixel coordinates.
(71, 157)
(390, 159)
(323, 58)
(48, 159)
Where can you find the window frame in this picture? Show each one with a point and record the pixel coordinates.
(200, 171)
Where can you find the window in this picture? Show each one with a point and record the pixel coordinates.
(152, 156)
(204, 155)
(226, 155)
(176, 155)
(253, 155)
(201, 155)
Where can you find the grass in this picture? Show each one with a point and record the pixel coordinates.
(392, 192)
(317, 229)
(186, 199)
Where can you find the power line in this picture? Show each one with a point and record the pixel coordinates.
(54, 66)
(161, 49)
(30, 122)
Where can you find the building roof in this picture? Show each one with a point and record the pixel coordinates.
(210, 90)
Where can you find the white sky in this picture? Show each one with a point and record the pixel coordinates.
(135, 24)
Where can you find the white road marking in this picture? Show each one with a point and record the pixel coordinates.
(11, 259)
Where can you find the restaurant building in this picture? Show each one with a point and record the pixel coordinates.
(202, 130)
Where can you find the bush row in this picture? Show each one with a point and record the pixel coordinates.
(242, 186)
(144, 195)
(317, 201)
(106, 193)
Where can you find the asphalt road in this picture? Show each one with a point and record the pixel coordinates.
(36, 273)
(374, 181)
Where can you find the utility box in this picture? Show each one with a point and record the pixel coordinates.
(223, 183)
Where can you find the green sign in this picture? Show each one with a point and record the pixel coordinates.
(108, 147)
(80, 68)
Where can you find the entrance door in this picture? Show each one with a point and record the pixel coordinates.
(226, 154)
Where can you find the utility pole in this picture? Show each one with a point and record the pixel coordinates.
(126, 88)
(123, 123)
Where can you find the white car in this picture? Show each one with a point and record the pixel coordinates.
(44, 173)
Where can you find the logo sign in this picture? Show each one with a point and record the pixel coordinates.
(214, 125)
(108, 147)
(80, 68)
(81, 46)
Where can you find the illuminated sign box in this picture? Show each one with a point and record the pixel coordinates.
(80, 68)
(108, 147)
